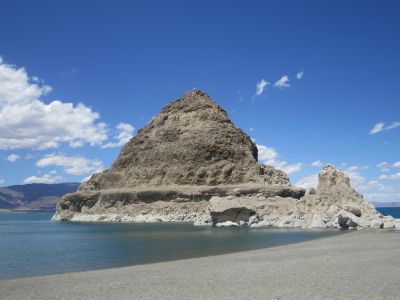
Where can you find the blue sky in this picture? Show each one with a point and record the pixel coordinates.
(124, 60)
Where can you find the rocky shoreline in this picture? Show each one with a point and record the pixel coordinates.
(333, 205)
(192, 164)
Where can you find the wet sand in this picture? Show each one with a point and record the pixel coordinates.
(363, 264)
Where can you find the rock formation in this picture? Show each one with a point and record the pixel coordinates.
(191, 142)
(192, 164)
(333, 204)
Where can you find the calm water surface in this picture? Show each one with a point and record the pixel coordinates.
(393, 211)
(31, 244)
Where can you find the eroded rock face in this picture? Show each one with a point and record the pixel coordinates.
(334, 204)
(335, 195)
(167, 204)
(192, 164)
(191, 142)
(231, 209)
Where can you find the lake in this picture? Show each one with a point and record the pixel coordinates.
(33, 245)
(392, 211)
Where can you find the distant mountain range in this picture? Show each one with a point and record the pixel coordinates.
(35, 196)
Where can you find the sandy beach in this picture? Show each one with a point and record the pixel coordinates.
(363, 264)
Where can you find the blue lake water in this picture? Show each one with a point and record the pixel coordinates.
(392, 211)
(31, 244)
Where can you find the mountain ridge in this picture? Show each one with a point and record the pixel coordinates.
(34, 196)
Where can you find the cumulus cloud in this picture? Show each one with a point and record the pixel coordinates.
(308, 182)
(396, 164)
(356, 179)
(317, 164)
(290, 169)
(261, 86)
(283, 82)
(1, 181)
(50, 177)
(13, 157)
(356, 168)
(299, 75)
(383, 166)
(374, 190)
(379, 127)
(378, 186)
(125, 133)
(26, 121)
(383, 197)
(75, 165)
(269, 156)
(266, 153)
(395, 176)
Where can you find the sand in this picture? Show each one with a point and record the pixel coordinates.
(363, 264)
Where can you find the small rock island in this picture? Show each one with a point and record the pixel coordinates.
(192, 164)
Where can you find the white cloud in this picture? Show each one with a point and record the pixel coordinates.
(26, 121)
(125, 133)
(266, 153)
(269, 156)
(383, 197)
(283, 82)
(395, 176)
(299, 75)
(383, 166)
(1, 181)
(13, 157)
(290, 169)
(393, 126)
(356, 168)
(317, 164)
(396, 164)
(379, 127)
(251, 129)
(378, 186)
(74, 165)
(356, 179)
(377, 191)
(261, 87)
(308, 182)
(50, 177)
(373, 190)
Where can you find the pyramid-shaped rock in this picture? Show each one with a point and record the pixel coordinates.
(192, 164)
(191, 142)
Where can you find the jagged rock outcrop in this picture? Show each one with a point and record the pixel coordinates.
(334, 204)
(192, 164)
(187, 154)
(191, 142)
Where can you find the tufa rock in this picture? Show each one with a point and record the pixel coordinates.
(170, 170)
(192, 164)
(191, 142)
(334, 204)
